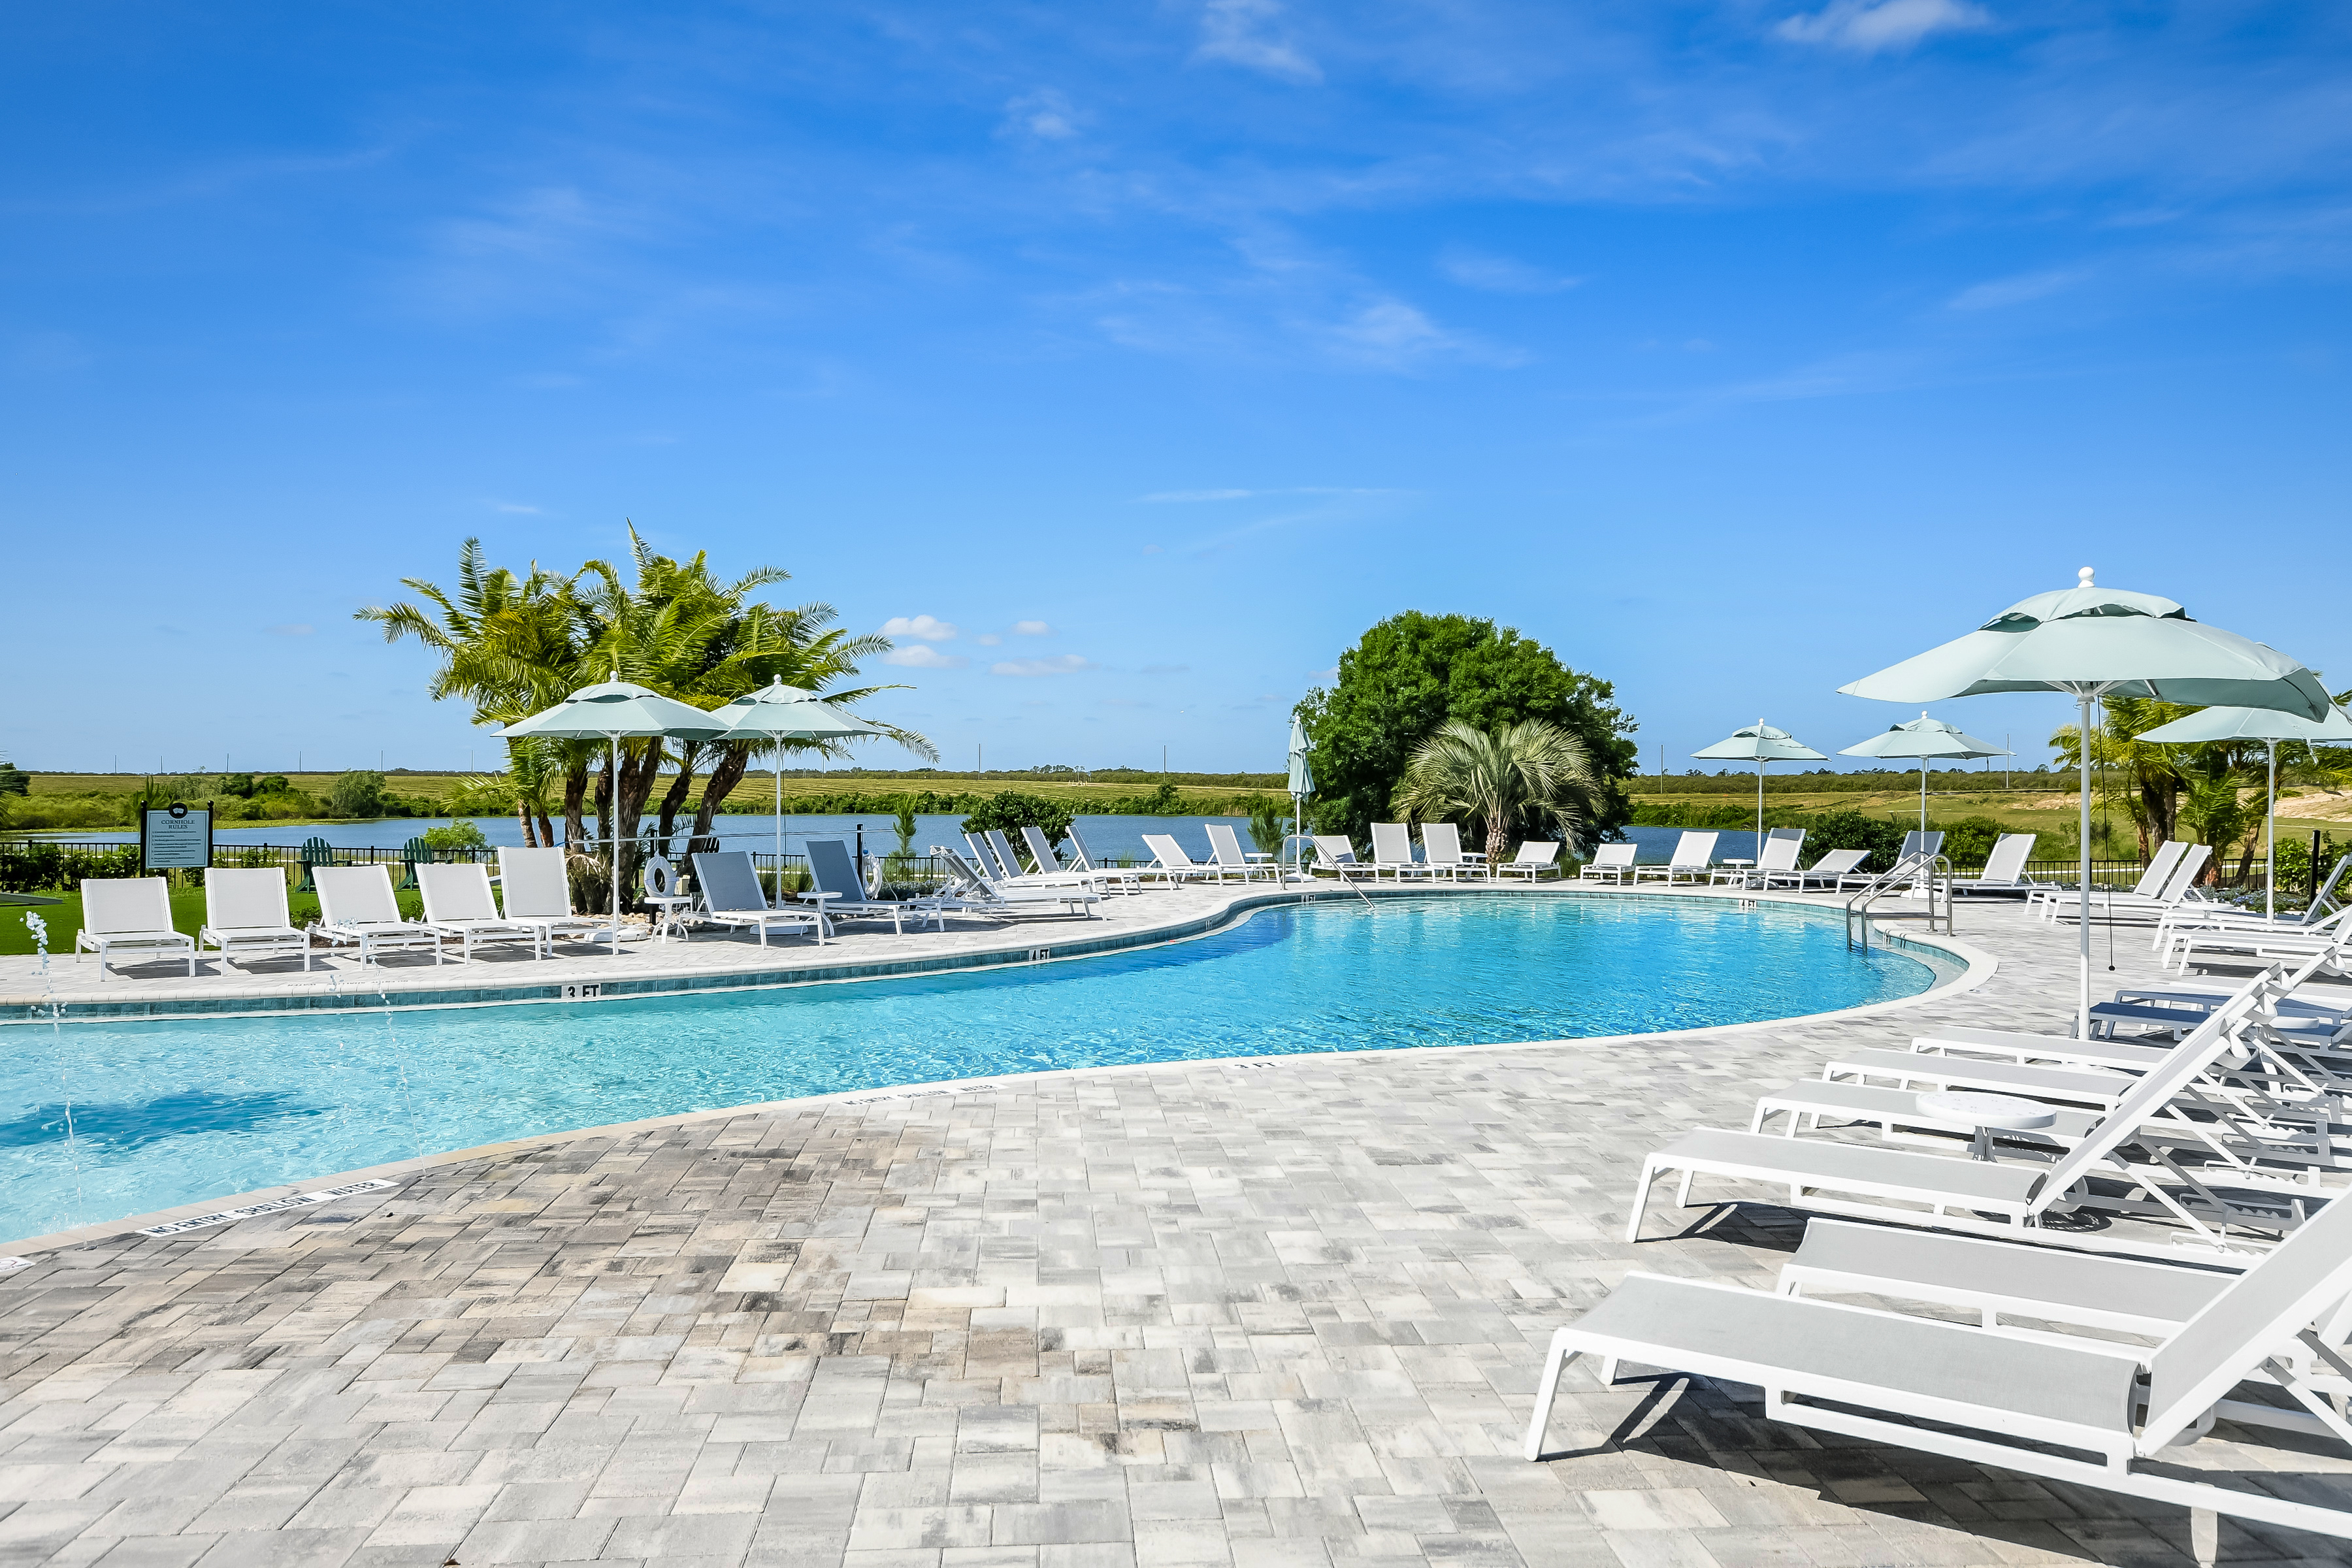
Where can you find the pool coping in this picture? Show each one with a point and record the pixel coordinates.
(1979, 967)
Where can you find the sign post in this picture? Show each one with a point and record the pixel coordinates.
(175, 838)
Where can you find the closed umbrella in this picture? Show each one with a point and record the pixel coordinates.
(776, 713)
(2270, 728)
(1761, 744)
(2097, 642)
(1924, 738)
(1302, 785)
(615, 711)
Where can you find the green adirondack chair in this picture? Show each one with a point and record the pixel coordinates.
(316, 852)
(412, 854)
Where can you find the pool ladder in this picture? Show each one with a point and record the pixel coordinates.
(1933, 869)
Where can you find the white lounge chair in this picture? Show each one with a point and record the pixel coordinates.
(833, 869)
(997, 897)
(2192, 946)
(1334, 854)
(245, 917)
(1103, 879)
(131, 914)
(537, 892)
(1442, 851)
(996, 857)
(358, 906)
(1989, 1196)
(1609, 862)
(731, 896)
(2028, 1405)
(458, 902)
(2004, 867)
(1225, 848)
(1392, 851)
(1834, 867)
(1535, 858)
(2122, 907)
(2153, 878)
(1694, 853)
(1170, 860)
(1781, 846)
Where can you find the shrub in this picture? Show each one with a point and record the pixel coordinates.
(1969, 840)
(1853, 830)
(1011, 811)
(456, 835)
(356, 793)
(1689, 813)
(34, 868)
(15, 780)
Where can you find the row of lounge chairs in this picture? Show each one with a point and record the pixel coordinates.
(1441, 855)
(2189, 1194)
(1837, 870)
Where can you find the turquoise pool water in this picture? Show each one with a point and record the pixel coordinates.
(172, 1112)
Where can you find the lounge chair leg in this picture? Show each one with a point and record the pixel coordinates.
(2204, 1535)
(1682, 1191)
(1640, 1201)
(1547, 1390)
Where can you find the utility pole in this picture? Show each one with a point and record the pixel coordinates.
(2005, 762)
(978, 758)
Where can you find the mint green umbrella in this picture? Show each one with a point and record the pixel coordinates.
(776, 713)
(1302, 785)
(615, 711)
(1924, 738)
(1761, 743)
(2096, 642)
(2270, 728)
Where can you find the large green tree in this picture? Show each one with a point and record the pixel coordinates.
(1411, 674)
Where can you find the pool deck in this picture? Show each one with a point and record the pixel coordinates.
(1262, 1313)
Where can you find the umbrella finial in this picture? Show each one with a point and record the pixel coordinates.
(2084, 577)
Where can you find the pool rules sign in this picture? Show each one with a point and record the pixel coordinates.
(175, 838)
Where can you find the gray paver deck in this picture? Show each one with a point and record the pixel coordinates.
(1263, 1314)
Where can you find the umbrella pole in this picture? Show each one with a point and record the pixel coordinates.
(1923, 799)
(2082, 997)
(2270, 838)
(612, 832)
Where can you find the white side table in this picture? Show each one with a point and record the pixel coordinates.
(669, 914)
(823, 922)
(1985, 1112)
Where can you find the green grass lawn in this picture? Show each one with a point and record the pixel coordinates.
(64, 917)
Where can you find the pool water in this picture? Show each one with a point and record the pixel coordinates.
(171, 1112)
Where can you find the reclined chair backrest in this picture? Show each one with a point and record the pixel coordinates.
(729, 883)
(1041, 848)
(2256, 1317)
(2185, 875)
(1614, 854)
(245, 899)
(534, 883)
(983, 855)
(2160, 867)
(1838, 862)
(1005, 853)
(832, 869)
(2323, 902)
(356, 896)
(1081, 858)
(1781, 853)
(1542, 852)
(1440, 843)
(1693, 848)
(2007, 861)
(1392, 844)
(111, 904)
(1333, 850)
(1225, 846)
(456, 892)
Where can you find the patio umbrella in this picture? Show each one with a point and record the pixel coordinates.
(776, 713)
(1761, 744)
(615, 711)
(2270, 728)
(1302, 785)
(2098, 642)
(1924, 738)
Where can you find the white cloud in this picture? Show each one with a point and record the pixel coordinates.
(921, 657)
(1390, 334)
(1499, 274)
(1060, 664)
(988, 639)
(1233, 31)
(924, 626)
(1867, 28)
(1031, 629)
(2018, 290)
(1046, 114)
(293, 630)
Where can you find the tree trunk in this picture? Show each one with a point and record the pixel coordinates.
(2158, 797)
(733, 762)
(675, 801)
(522, 815)
(578, 868)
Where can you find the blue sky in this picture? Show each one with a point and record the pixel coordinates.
(1156, 350)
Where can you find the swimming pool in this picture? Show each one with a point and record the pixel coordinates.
(174, 1111)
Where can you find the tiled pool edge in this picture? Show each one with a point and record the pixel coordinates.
(1979, 967)
(21, 1011)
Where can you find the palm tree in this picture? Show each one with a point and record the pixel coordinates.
(2146, 776)
(1532, 772)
